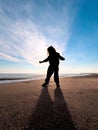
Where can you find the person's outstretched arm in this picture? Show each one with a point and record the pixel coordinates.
(44, 60)
(61, 58)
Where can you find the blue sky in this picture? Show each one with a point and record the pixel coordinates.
(28, 27)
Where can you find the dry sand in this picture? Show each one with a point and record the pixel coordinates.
(28, 106)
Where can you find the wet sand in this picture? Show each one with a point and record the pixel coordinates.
(28, 106)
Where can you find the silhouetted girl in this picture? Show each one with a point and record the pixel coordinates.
(53, 59)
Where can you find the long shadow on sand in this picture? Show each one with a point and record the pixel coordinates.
(61, 113)
(51, 115)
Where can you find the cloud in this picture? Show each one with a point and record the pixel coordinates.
(25, 38)
(25, 42)
(8, 57)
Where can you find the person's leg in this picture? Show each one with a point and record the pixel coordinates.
(56, 76)
(49, 74)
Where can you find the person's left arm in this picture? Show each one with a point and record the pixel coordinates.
(61, 57)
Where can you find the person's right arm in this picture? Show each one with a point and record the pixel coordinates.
(47, 59)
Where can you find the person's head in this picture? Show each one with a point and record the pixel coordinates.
(51, 50)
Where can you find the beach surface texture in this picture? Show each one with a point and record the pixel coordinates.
(29, 106)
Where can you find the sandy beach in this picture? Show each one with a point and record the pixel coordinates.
(29, 106)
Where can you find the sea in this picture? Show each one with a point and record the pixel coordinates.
(13, 78)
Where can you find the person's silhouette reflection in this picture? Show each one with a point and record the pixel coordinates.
(49, 115)
(61, 112)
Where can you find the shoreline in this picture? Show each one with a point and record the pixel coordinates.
(15, 80)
